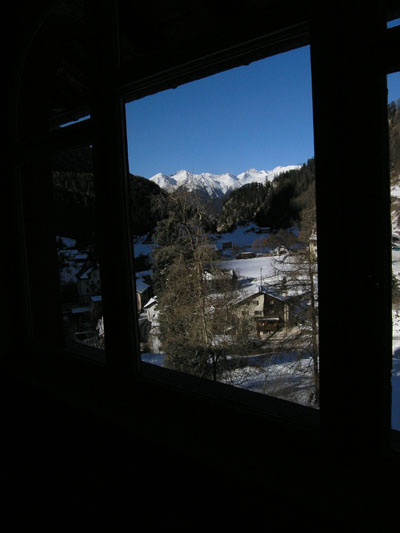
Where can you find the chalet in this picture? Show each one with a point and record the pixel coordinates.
(151, 308)
(269, 310)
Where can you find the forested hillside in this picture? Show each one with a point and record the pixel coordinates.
(74, 206)
(141, 201)
(74, 202)
(275, 204)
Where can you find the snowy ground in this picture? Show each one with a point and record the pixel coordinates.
(279, 374)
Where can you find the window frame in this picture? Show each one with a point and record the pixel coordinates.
(289, 39)
(122, 349)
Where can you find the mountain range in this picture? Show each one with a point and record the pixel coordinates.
(216, 185)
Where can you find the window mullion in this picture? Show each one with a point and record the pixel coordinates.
(110, 164)
(353, 228)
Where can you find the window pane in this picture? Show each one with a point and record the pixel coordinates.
(223, 213)
(78, 262)
(394, 143)
(393, 23)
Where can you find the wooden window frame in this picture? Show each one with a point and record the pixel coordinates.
(341, 56)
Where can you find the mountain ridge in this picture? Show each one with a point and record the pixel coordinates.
(217, 185)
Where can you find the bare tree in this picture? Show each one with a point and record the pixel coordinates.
(296, 276)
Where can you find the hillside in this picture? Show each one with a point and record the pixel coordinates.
(276, 204)
(74, 202)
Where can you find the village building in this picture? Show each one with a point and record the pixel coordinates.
(151, 309)
(142, 294)
(269, 310)
(220, 280)
(88, 281)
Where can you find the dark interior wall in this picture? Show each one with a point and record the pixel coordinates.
(80, 440)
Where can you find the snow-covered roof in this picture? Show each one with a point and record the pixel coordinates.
(67, 241)
(87, 270)
(263, 290)
(150, 303)
(86, 273)
(141, 286)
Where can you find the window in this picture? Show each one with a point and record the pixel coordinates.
(228, 159)
(144, 74)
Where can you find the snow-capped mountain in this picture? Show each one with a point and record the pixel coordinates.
(216, 185)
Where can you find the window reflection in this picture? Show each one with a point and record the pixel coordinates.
(78, 262)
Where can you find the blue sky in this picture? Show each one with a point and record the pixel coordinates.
(255, 116)
(393, 83)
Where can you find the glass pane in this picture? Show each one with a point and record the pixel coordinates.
(224, 218)
(78, 263)
(393, 23)
(394, 144)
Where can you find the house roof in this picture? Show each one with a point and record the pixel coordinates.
(150, 303)
(141, 286)
(87, 270)
(263, 290)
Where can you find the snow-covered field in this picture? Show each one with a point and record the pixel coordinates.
(281, 373)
